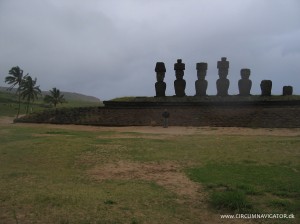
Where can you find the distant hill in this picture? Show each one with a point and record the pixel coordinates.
(9, 102)
(69, 96)
(77, 97)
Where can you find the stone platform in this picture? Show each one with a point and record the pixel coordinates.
(228, 101)
(231, 111)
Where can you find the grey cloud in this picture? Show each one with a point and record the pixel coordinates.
(109, 48)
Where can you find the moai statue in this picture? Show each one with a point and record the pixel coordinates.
(179, 83)
(160, 85)
(201, 83)
(245, 83)
(287, 91)
(266, 87)
(223, 82)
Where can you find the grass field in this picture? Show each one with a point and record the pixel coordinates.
(9, 103)
(71, 174)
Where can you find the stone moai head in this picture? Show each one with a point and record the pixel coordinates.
(223, 67)
(287, 91)
(179, 68)
(266, 87)
(245, 73)
(201, 70)
(160, 70)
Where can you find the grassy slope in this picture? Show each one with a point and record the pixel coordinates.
(43, 175)
(9, 103)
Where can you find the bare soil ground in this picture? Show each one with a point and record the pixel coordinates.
(172, 130)
(169, 176)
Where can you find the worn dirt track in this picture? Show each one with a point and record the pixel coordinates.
(172, 130)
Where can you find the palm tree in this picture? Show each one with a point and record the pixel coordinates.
(29, 90)
(55, 97)
(15, 78)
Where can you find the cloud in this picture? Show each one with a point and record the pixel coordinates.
(109, 48)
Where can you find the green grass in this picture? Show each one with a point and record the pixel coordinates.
(222, 149)
(250, 182)
(124, 98)
(44, 176)
(232, 200)
(9, 104)
(42, 182)
(265, 178)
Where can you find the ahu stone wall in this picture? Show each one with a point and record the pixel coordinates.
(223, 115)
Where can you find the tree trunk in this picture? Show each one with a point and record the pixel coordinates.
(28, 103)
(19, 105)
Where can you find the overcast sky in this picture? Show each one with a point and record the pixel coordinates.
(109, 48)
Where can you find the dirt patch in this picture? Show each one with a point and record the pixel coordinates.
(164, 132)
(135, 136)
(249, 131)
(172, 131)
(44, 135)
(6, 120)
(182, 131)
(167, 175)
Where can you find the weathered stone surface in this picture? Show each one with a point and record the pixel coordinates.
(254, 115)
(179, 65)
(266, 87)
(179, 83)
(223, 83)
(160, 85)
(245, 83)
(160, 89)
(287, 90)
(160, 67)
(201, 83)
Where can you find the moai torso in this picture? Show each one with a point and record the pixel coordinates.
(266, 87)
(223, 82)
(160, 85)
(201, 83)
(287, 91)
(179, 83)
(245, 83)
